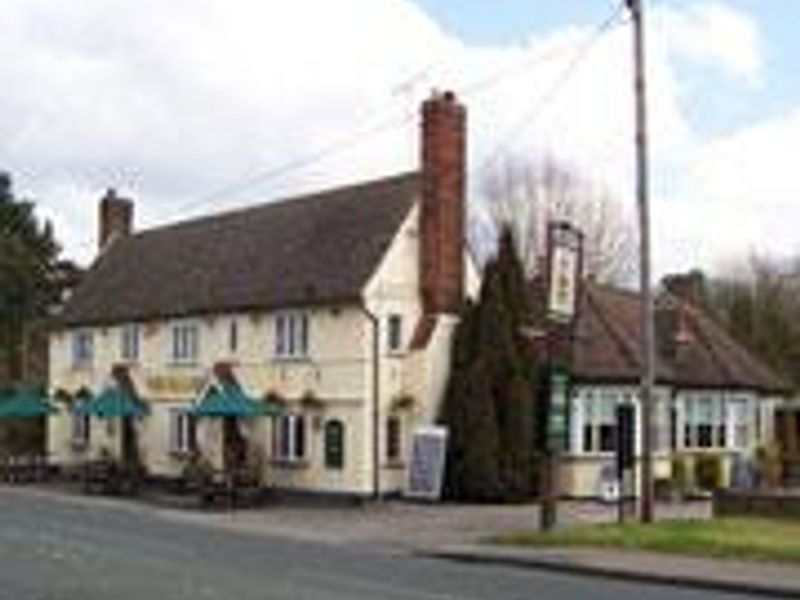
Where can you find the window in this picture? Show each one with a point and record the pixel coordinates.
(185, 343)
(395, 333)
(740, 412)
(291, 335)
(334, 444)
(82, 348)
(129, 343)
(181, 431)
(394, 445)
(599, 422)
(289, 438)
(704, 422)
(81, 429)
(233, 337)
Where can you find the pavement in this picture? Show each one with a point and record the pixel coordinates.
(452, 532)
(756, 579)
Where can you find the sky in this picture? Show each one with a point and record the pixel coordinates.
(199, 106)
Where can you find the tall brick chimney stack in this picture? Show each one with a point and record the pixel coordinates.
(442, 213)
(116, 218)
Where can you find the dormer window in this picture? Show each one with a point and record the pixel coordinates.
(291, 335)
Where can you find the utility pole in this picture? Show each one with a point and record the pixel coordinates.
(646, 308)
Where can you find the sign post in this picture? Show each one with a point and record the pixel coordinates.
(564, 263)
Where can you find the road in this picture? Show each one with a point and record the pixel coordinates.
(59, 548)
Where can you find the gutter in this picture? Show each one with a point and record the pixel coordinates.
(376, 473)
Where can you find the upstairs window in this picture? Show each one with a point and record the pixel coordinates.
(129, 343)
(82, 348)
(291, 335)
(185, 343)
(233, 337)
(395, 333)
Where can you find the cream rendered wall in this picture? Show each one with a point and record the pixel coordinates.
(417, 374)
(335, 372)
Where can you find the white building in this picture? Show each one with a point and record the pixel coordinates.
(339, 304)
(712, 397)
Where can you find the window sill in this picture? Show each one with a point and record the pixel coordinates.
(394, 465)
(293, 464)
(305, 359)
(183, 364)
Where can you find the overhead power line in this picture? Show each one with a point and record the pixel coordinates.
(476, 87)
(581, 54)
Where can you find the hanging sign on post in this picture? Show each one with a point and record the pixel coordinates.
(564, 264)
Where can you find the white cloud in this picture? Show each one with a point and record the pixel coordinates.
(171, 101)
(715, 34)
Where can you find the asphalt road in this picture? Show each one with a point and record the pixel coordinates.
(56, 548)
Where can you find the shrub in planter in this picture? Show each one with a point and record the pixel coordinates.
(682, 480)
(769, 466)
(708, 472)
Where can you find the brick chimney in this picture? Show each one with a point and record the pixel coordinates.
(116, 218)
(442, 212)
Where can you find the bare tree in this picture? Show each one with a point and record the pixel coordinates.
(526, 194)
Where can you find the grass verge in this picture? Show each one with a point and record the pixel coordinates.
(740, 538)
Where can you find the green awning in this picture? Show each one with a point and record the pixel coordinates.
(25, 403)
(111, 403)
(230, 401)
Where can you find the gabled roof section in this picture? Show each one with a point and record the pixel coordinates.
(693, 351)
(319, 248)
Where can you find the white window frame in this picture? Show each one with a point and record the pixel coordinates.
(285, 438)
(180, 434)
(704, 410)
(82, 348)
(185, 346)
(598, 411)
(129, 342)
(81, 430)
(741, 422)
(292, 335)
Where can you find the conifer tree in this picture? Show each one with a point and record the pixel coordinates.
(489, 401)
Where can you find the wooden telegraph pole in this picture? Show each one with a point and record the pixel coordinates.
(646, 310)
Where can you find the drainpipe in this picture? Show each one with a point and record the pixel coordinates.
(376, 467)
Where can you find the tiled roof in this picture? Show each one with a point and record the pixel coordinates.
(692, 350)
(314, 249)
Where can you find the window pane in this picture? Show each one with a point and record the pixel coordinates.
(334, 445)
(393, 443)
(299, 437)
(608, 441)
(303, 345)
(588, 438)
